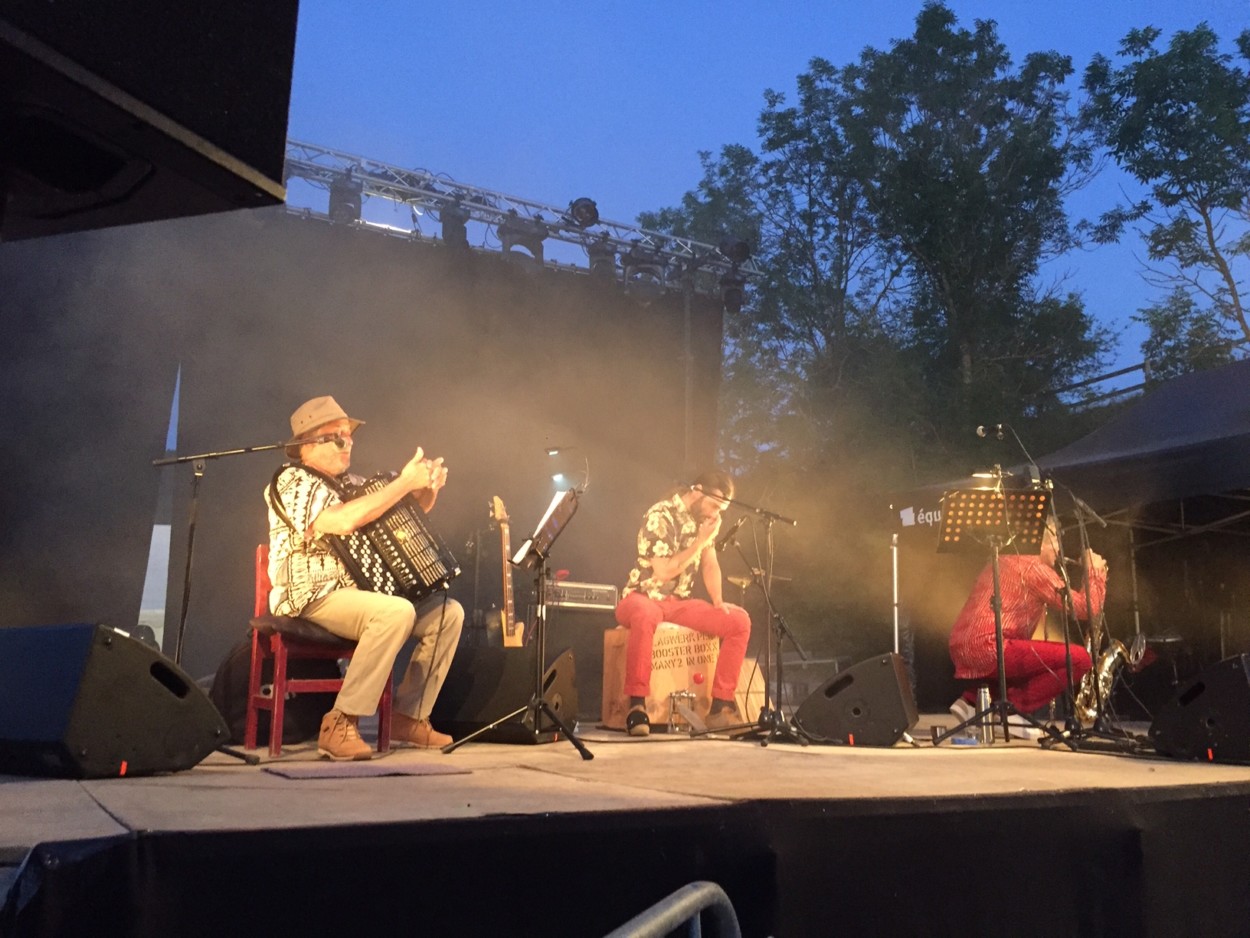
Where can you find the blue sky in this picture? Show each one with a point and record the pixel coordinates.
(553, 100)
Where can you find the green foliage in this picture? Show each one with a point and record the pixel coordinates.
(900, 209)
(1178, 120)
(1183, 338)
(966, 164)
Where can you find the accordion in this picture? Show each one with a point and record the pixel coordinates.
(398, 553)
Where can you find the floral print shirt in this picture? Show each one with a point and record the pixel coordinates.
(667, 529)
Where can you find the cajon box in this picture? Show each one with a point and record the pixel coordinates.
(681, 660)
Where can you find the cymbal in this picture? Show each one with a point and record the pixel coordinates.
(776, 579)
(740, 581)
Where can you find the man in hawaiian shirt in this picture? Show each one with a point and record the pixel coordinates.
(677, 537)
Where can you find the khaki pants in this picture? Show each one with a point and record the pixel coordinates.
(380, 624)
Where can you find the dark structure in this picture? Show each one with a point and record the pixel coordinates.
(136, 110)
(475, 359)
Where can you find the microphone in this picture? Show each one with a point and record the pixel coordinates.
(728, 537)
(993, 429)
(338, 441)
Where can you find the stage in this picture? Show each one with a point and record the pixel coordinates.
(532, 839)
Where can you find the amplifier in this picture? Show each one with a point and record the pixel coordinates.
(572, 595)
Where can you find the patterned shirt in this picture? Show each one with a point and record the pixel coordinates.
(1028, 586)
(301, 567)
(667, 529)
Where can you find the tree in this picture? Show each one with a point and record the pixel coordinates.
(1183, 338)
(1178, 120)
(965, 164)
(899, 209)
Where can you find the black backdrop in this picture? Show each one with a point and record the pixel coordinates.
(475, 358)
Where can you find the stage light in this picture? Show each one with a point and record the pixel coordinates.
(735, 249)
(345, 198)
(517, 232)
(731, 292)
(453, 217)
(602, 258)
(644, 272)
(583, 212)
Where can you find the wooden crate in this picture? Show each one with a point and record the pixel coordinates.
(681, 660)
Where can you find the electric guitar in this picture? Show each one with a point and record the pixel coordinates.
(513, 631)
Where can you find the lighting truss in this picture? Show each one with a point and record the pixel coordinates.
(681, 260)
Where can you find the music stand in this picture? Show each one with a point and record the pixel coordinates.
(532, 555)
(997, 516)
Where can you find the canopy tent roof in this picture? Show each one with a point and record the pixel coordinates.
(1190, 437)
(1176, 462)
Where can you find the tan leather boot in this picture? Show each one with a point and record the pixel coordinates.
(404, 729)
(340, 739)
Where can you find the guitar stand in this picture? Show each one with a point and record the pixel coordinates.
(533, 554)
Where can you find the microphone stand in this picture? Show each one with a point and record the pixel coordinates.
(198, 462)
(770, 723)
(1076, 736)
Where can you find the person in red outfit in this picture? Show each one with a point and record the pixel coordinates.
(1036, 670)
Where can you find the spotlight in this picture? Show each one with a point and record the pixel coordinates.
(583, 212)
(517, 232)
(735, 249)
(731, 292)
(453, 217)
(644, 272)
(345, 198)
(602, 258)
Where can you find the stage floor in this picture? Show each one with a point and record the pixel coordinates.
(628, 778)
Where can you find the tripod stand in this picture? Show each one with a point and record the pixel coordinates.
(997, 517)
(533, 555)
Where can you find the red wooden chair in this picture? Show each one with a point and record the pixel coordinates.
(282, 639)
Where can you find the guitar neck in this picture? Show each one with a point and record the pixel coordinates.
(511, 630)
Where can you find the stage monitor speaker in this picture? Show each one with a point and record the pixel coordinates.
(1209, 718)
(86, 701)
(485, 684)
(582, 630)
(869, 704)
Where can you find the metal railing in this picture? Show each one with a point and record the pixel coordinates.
(687, 906)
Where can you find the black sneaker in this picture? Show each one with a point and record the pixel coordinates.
(637, 722)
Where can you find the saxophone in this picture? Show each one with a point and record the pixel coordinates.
(1090, 695)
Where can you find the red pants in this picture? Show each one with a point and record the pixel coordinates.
(641, 614)
(1036, 673)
